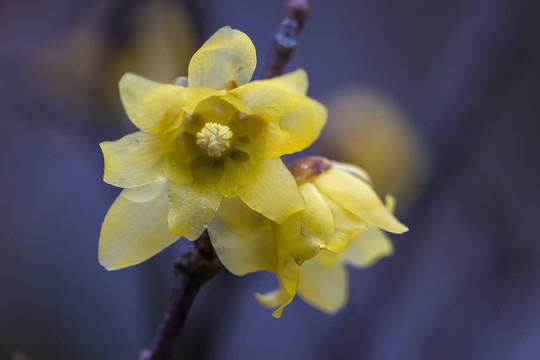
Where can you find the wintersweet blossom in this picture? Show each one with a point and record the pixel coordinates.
(210, 136)
(340, 224)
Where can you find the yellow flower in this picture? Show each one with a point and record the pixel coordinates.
(211, 135)
(343, 215)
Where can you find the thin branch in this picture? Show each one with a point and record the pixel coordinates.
(192, 272)
(292, 22)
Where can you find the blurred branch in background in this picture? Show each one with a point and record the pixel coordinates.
(281, 51)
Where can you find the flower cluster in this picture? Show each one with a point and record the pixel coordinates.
(207, 156)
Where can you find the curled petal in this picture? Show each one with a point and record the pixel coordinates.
(243, 239)
(192, 207)
(288, 274)
(305, 232)
(324, 287)
(297, 130)
(226, 60)
(134, 160)
(346, 226)
(273, 191)
(135, 227)
(194, 95)
(294, 121)
(153, 107)
(359, 198)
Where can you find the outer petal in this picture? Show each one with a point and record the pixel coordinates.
(359, 198)
(288, 274)
(296, 130)
(243, 239)
(268, 98)
(368, 247)
(294, 120)
(273, 191)
(151, 106)
(325, 288)
(226, 60)
(134, 160)
(305, 232)
(135, 227)
(194, 95)
(192, 208)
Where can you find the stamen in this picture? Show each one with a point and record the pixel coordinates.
(214, 138)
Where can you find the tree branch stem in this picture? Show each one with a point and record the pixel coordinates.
(192, 271)
(285, 39)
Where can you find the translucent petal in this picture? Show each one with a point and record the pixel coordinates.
(237, 103)
(243, 239)
(226, 60)
(305, 232)
(135, 227)
(239, 172)
(359, 198)
(325, 288)
(193, 206)
(294, 120)
(273, 191)
(151, 106)
(267, 99)
(297, 130)
(134, 160)
(288, 276)
(194, 95)
(346, 226)
(368, 247)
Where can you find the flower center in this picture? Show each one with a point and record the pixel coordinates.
(214, 138)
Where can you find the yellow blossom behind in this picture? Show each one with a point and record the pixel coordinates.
(342, 220)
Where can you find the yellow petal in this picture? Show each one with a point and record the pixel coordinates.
(268, 99)
(151, 106)
(359, 198)
(295, 82)
(134, 160)
(325, 288)
(294, 120)
(273, 191)
(237, 103)
(135, 227)
(239, 172)
(368, 247)
(192, 208)
(346, 226)
(305, 232)
(288, 275)
(243, 239)
(194, 95)
(225, 60)
(296, 130)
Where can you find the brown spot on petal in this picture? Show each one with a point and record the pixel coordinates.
(308, 168)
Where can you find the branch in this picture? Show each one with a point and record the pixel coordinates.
(193, 270)
(281, 51)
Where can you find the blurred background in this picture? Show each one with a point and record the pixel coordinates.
(438, 100)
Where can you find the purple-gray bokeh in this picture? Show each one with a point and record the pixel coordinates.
(464, 282)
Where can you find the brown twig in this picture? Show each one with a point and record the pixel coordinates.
(192, 272)
(292, 22)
